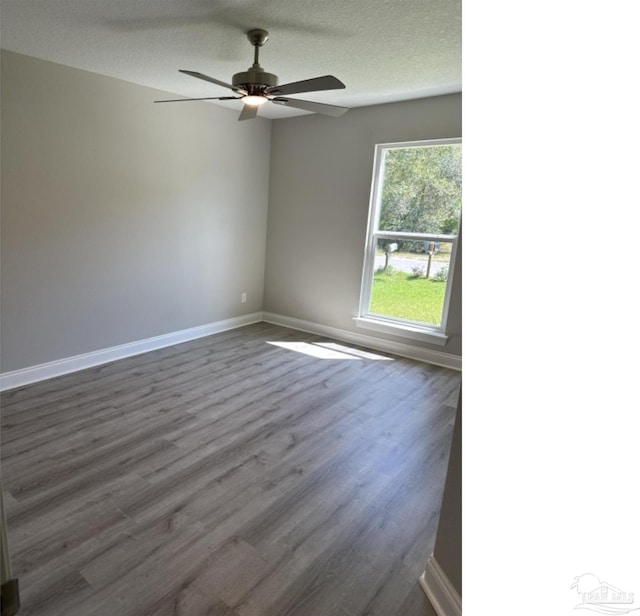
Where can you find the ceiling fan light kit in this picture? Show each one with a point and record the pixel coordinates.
(255, 86)
(254, 101)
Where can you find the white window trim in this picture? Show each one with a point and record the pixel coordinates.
(386, 325)
(427, 333)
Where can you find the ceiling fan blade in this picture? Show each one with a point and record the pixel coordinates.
(248, 112)
(328, 82)
(330, 110)
(213, 80)
(206, 98)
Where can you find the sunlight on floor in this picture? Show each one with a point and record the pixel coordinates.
(329, 350)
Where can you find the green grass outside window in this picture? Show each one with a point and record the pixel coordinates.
(404, 296)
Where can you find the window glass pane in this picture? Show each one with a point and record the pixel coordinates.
(410, 280)
(422, 189)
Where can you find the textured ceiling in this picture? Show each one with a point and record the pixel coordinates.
(383, 50)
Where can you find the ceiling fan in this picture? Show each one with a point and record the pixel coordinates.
(255, 87)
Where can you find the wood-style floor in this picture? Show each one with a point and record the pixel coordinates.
(229, 476)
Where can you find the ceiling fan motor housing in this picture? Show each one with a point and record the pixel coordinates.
(254, 79)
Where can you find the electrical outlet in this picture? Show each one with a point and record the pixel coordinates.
(243, 298)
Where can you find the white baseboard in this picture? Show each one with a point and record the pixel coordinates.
(60, 367)
(397, 348)
(442, 595)
(41, 372)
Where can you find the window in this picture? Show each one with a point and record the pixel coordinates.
(414, 221)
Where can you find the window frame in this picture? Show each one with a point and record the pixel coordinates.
(435, 334)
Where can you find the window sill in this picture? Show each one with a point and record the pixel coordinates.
(423, 334)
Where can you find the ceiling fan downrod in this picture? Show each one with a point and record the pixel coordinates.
(257, 37)
(255, 79)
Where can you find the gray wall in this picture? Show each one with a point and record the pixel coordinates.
(448, 548)
(122, 219)
(321, 171)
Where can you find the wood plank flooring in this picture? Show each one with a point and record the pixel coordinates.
(229, 476)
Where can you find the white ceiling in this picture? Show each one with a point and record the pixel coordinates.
(383, 50)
